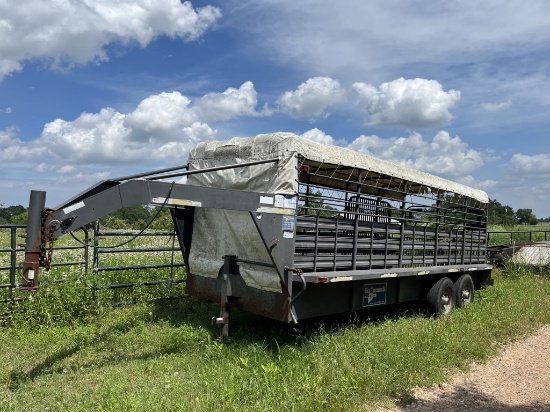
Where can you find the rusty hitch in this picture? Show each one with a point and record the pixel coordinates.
(35, 245)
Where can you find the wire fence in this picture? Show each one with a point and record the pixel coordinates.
(152, 259)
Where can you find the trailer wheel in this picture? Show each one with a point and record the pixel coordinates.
(441, 297)
(463, 291)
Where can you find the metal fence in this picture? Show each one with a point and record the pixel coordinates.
(87, 257)
(511, 236)
(97, 243)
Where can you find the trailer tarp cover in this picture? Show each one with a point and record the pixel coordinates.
(282, 178)
(221, 232)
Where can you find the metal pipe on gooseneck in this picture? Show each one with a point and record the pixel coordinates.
(37, 203)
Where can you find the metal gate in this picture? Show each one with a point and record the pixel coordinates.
(87, 258)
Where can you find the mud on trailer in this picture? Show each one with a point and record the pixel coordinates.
(292, 229)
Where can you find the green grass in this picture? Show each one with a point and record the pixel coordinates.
(166, 356)
(65, 351)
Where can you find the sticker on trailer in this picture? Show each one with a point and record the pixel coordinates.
(374, 294)
(289, 222)
(290, 202)
(74, 207)
(267, 200)
(285, 201)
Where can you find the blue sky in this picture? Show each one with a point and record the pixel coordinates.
(96, 89)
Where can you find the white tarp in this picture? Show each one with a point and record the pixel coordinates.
(285, 146)
(536, 254)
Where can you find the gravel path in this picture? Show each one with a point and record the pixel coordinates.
(516, 381)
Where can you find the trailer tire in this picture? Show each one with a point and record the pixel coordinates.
(463, 291)
(441, 297)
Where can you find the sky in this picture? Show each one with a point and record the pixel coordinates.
(95, 89)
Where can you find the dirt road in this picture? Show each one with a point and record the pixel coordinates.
(516, 381)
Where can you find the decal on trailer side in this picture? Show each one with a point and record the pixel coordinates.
(374, 294)
(74, 207)
(289, 223)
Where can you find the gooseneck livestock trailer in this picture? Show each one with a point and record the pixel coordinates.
(290, 229)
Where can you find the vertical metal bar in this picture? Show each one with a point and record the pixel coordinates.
(86, 253)
(386, 238)
(13, 260)
(356, 222)
(225, 310)
(95, 263)
(464, 236)
(437, 222)
(424, 249)
(478, 244)
(37, 203)
(336, 242)
(316, 246)
(371, 243)
(402, 231)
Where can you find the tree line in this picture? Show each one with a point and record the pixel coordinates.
(139, 216)
(135, 217)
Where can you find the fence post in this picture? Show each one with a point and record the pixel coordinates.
(13, 260)
(86, 254)
(95, 263)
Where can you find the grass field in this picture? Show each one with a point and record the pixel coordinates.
(62, 351)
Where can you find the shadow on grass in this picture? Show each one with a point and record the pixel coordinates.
(245, 329)
(468, 398)
(47, 366)
(16, 378)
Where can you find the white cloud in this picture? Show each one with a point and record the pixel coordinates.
(530, 164)
(163, 127)
(318, 136)
(84, 176)
(312, 98)
(160, 117)
(232, 102)
(12, 149)
(485, 185)
(67, 32)
(497, 106)
(66, 169)
(8, 110)
(416, 103)
(444, 155)
(107, 136)
(43, 168)
(377, 38)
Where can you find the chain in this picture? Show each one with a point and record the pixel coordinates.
(46, 244)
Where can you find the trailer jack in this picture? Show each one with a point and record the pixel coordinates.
(229, 268)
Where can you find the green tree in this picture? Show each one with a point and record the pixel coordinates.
(315, 205)
(163, 221)
(526, 217)
(499, 214)
(8, 213)
(21, 218)
(134, 217)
